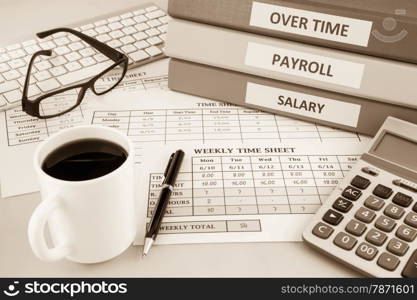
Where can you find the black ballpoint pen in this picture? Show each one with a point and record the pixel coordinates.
(170, 175)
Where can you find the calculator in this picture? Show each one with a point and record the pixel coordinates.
(369, 222)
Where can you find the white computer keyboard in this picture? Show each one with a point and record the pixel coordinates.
(139, 33)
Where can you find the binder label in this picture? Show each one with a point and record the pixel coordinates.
(302, 104)
(303, 64)
(310, 23)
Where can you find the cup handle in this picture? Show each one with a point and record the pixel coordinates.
(36, 231)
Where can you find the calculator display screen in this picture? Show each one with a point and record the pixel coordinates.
(397, 150)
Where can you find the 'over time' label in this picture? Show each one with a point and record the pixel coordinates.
(303, 64)
(302, 104)
(312, 24)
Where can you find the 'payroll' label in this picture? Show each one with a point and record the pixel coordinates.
(303, 104)
(312, 24)
(303, 64)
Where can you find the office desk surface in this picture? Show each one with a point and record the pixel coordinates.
(23, 18)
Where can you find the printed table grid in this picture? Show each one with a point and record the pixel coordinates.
(208, 124)
(253, 185)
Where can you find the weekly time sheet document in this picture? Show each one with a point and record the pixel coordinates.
(248, 192)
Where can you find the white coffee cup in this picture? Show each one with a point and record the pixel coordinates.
(89, 221)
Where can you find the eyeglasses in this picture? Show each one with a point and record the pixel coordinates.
(46, 106)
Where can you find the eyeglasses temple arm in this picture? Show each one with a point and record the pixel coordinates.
(29, 71)
(108, 51)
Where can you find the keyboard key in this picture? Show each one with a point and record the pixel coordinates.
(72, 66)
(62, 41)
(13, 96)
(385, 224)
(114, 19)
(47, 45)
(382, 191)
(129, 30)
(162, 28)
(151, 8)
(342, 205)
(17, 63)
(356, 228)
(322, 230)
(165, 19)
(87, 26)
(73, 56)
(28, 43)
(12, 74)
(76, 46)
(13, 47)
(42, 75)
(62, 50)
(411, 219)
(366, 251)
(140, 19)
(345, 241)
(8, 86)
(127, 40)
(360, 182)
(32, 49)
(100, 57)
(140, 36)
(43, 65)
(152, 32)
(103, 29)
(127, 15)
(154, 23)
(128, 49)
(33, 90)
(115, 43)
(406, 233)
(394, 211)
(100, 23)
(365, 215)
(155, 14)
(374, 203)
(332, 217)
(141, 45)
(127, 22)
(351, 193)
(154, 40)
(17, 54)
(376, 237)
(57, 71)
(138, 55)
(397, 247)
(58, 61)
(87, 52)
(116, 34)
(87, 61)
(388, 262)
(153, 51)
(115, 25)
(104, 38)
(410, 269)
(4, 67)
(48, 85)
(4, 58)
(402, 199)
(139, 12)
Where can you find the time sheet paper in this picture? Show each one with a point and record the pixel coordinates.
(248, 192)
(20, 133)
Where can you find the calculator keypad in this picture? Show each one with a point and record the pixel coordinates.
(378, 228)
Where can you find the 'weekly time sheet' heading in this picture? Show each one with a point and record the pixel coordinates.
(244, 150)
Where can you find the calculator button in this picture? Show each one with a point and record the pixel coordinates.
(356, 228)
(332, 217)
(366, 251)
(376, 237)
(385, 224)
(365, 215)
(388, 261)
(351, 193)
(406, 233)
(415, 207)
(402, 199)
(411, 219)
(360, 182)
(410, 270)
(345, 241)
(374, 203)
(322, 230)
(394, 211)
(397, 247)
(382, 191)
(370, 171)
(342, 205)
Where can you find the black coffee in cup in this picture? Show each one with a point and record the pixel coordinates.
(84, 159)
